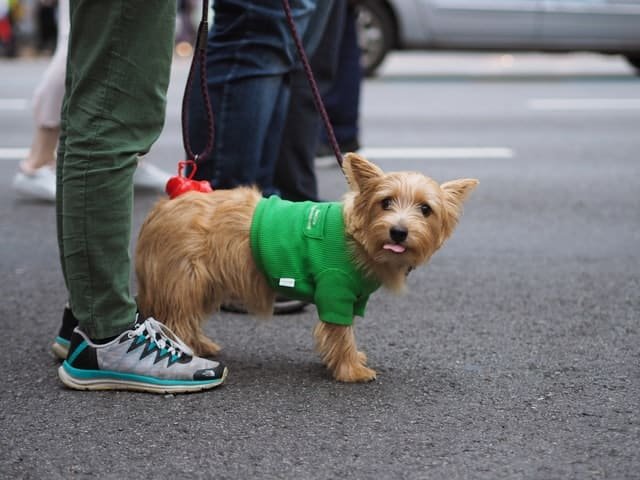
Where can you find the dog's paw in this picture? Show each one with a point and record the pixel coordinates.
(354, 373)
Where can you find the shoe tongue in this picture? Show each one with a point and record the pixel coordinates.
(394, 247)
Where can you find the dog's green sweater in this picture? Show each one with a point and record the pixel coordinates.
(302, 250)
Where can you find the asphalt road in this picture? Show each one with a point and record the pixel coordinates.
(515, 354)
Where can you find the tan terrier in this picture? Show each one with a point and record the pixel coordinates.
(201, 250)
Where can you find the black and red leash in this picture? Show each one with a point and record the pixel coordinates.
(180, 184)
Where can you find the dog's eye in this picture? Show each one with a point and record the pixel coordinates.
(425, 209)
(386, 203)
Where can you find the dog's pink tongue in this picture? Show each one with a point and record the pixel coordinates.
(394, 247)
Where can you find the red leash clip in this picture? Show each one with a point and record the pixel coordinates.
(180, 184)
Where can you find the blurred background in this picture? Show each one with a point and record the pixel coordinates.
(604, 26)
(610, 27)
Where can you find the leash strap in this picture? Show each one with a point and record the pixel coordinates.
(199, 58)
(317, 98)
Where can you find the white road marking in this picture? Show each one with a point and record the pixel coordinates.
(373, 153)
(582, 104)
(13, 153)
(13, 104)
(423, 153)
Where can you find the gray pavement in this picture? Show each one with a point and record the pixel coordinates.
(515, 353)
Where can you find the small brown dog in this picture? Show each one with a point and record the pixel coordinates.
(200, 250)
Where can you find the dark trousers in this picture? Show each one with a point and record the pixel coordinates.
(342, 101)
(295, 174)
(250, 55)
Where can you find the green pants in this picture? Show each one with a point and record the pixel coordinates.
(118, 69)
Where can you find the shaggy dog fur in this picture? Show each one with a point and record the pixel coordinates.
(194, 253)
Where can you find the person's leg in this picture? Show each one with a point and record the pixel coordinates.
(118, 73)
(117, 77)
(270, 145)
(242, 119)
(295, 173)
(249, 54)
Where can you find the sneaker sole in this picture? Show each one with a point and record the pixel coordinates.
(279, 308)
(107, 382)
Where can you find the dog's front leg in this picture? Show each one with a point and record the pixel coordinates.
(336, 345)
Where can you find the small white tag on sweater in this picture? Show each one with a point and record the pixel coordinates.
(287, 282)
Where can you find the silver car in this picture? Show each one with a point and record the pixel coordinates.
(606, 26)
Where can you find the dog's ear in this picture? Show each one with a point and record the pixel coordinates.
(359, 171)
(455, 193)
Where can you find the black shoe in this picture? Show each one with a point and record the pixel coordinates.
(60, 346)
(233, 308)
(282, 305)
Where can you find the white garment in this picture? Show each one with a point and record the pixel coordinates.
(40, 185)
(47, 98)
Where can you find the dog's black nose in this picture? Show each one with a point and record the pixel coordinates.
(398, 234)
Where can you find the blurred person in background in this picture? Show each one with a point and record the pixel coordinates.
(36, 177)
(266, 125)
(46, 13)
(7, 33)
(185, 29)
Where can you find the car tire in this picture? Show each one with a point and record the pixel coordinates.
(634, 60)
(376, 33)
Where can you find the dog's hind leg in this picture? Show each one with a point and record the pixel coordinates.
(193, 302)
(181, 299)
(336, 345)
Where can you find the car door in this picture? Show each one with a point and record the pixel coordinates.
(481, 23)
(591, 24)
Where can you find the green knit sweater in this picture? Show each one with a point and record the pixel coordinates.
(302, 250)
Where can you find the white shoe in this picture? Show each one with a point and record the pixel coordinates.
(148, 358)
(41, 184)
(150, 176)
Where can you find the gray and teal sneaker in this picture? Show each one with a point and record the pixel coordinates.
(147, 358)
(60, 346)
